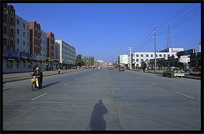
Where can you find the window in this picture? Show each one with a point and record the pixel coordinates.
(24, 64)
(29, 64)
(147, 55)
(24, 26)
(168, 55)
(23, 43)
(17, 31)
(18, 64)
(28, 44)
(151, 55)
(17, 41)
(137, 60)
(9, 64)
(24, 51)
(141, 55)
(17, 50)
(141, 60)
(17, 21)
(137, 55)
(164, 55)
(160, 55)
(23, 34)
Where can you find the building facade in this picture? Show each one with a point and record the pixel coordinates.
(43, 56)
(10, 55)
(26, 46)
(22, 44)
(51, 64)
(123, 60)
(65, 54)
(139, 57)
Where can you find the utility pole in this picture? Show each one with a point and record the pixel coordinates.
(155, 61)
(169, 38)
(130, 58)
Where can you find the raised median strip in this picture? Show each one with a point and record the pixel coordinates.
(5, 80)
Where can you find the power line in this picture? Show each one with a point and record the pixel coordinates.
(181, 20)
(142, 42)
(175, 15)
(175, 22)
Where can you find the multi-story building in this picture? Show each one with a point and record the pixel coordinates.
(10, 56)
(26, 46)
(8, 27)
(22, 44)
(43, 56)
(65, 54)
(123, 60)
(140, 57)
(50, 51)
(35, 43)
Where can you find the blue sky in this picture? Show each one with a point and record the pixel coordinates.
(106, 30)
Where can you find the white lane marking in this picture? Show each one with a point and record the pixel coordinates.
(152, 83)
(66, 84)
(185, 95)
(39, 96)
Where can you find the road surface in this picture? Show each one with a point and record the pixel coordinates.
(103, 100)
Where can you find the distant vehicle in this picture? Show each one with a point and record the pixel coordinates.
(110, 67)
(99, 68)
(174, 72)
(122, 68)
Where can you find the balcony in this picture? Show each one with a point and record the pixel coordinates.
(5, 24)
(10, 37)
(11, 26)
(4, 36)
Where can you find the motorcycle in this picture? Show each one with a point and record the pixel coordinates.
(34, 83)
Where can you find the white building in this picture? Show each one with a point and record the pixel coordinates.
(139, 57)
(101, 61)
(123, 59)
(65, 53)
(199, 46)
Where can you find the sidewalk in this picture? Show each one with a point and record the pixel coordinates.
(9, 77)
(192, 75)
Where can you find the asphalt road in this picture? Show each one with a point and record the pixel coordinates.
(103, 100)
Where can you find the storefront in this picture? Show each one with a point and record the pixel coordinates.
(25, 63)
(35, 61)
(11, 61)
(42, 60)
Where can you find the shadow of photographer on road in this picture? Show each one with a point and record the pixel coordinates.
(97, 120)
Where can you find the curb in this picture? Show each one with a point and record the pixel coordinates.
(28, 77)
(185, 76)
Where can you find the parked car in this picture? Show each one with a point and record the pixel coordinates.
(121, 68)
(174, 72)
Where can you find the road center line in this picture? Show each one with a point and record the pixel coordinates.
(66, 84)
(152, 83)
(185, 95)
(39, 96)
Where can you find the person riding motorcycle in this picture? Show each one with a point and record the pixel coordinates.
(39, 76)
